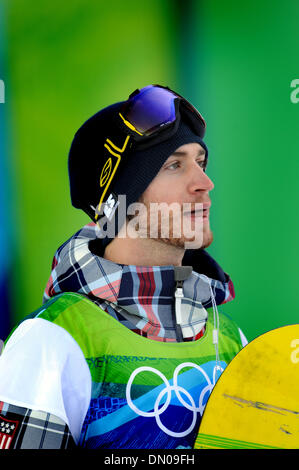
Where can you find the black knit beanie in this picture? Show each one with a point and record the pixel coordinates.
(138, 167)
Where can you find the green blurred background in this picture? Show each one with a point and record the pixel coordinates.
(63, 61)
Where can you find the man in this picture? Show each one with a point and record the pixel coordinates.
(128, 343)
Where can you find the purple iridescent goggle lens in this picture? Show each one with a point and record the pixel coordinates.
(153, 108)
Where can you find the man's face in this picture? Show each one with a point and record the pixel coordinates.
(182, 184)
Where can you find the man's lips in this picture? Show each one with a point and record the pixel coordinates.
(199, 210)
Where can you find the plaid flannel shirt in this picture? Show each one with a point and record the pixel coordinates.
(21, 428)
(140, 297)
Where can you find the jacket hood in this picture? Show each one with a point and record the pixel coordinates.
(142, 295)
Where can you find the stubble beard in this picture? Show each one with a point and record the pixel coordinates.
(201, 238)
(191, 242)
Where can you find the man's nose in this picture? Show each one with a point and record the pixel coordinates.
(200, 181)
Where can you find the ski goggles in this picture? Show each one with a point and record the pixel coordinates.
(155, 109)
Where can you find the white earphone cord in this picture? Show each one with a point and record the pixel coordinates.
(216, 327)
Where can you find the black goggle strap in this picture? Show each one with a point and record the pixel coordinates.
(129, 125)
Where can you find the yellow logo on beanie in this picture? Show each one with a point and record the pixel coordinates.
(110, 168)
(106, 171)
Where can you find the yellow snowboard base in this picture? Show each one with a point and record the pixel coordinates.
(255, 403)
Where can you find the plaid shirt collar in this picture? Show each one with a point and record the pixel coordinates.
(141, 297)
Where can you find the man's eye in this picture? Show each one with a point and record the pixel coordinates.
(203, 164)
(173, 166)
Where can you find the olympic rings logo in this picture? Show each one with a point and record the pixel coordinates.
(178, 390)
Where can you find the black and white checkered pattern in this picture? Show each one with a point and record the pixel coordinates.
(30, 429)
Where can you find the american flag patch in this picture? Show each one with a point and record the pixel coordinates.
(7, 431)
